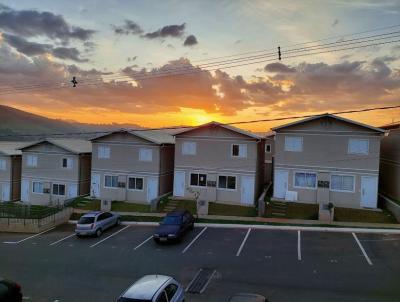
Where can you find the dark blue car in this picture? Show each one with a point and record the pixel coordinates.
(174, 226)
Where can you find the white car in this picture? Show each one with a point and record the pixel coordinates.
(154, 288)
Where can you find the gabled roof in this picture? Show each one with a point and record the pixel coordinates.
(229, 127)
(391, 126)
(155, 136)
(11, 148)
(72, 145)
(332, 116)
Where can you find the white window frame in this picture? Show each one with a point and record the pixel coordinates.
(111, 175)
(227, 189)
(31, 160)
(305, 188)
(342, 191)
(69, 163)
(286, 146)
(59, 184)
(242, 151)
(198, 173)
(192, 150)
(3, 164)
(270, 148)
(131, 176)
(103, 152)
(357, 139)
(41, 193)
(143, 152)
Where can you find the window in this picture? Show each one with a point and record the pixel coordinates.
(305, 180)
(145, 154)
(239, 150)
(135, 183)
(293, 143)
(2, 164)
(171, 290)
(162, 297)
(103, 152)
(268, 148)
(198, 180)
(67, 163)
(358, 146)
(111, 181)
(189, 148)
(227, 182)
(342, 183)
(58, 189)
(37, 187)
(31, 161)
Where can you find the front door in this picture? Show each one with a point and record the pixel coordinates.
(280, 183)
(5, 192)
(179, 183)
(72, 190)
(25, 190)
(247, 189)
(152, 188)
(95, 185)
(369, 191)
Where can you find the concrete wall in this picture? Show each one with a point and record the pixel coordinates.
(390, 165)
(393, 207)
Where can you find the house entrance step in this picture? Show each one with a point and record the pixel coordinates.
(278, 214)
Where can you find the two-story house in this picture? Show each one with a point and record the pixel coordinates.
(389, 177)
(135, 166)
(10, 171)
(54, 170)
(325, 159)
(220, 163)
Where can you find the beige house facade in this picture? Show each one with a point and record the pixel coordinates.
(54, 170)
(219, 163)
(10, 171)
(325, 159)
(389, 183)
(133, 166)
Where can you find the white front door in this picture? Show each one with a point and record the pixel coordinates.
(369, 191)
(5, 192)
(280, 183)
(247, 189)
(179, 183)
(72, 190)
(95, 185)
(25, 190)
(152, 188)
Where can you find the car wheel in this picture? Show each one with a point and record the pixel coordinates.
(118, 221)
(156, 240)
(99, 232)
(79, 236)
(191, 226)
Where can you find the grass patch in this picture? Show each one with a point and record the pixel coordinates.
(122, 206)
(189, 205)
(294, 210)
(85, 203)
(359, 215)
(231, 210)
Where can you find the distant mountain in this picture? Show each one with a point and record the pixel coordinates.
(14, 123)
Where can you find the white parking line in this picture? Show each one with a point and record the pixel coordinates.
(93, 245)
(362, 249)
(143, 243)
(62, 239)
(195, 238)
(194, 278)
(298, 245)
(243, 242)
(208, 281)
(30, 237)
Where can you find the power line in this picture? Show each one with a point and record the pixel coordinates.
(48, 135)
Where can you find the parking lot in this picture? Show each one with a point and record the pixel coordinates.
(282, 265)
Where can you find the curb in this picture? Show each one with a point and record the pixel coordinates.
(273, 227)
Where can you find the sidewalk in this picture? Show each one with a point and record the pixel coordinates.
(263, 220)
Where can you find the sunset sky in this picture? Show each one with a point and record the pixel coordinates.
(45, 43)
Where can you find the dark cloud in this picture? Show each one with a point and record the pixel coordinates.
(190, 41)
(129, 27)
(33, 49)
(32, 23)
(175, 31)
(279, 68)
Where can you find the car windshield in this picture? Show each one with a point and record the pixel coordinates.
(170, 220)
(122, 299)
(86, 220)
